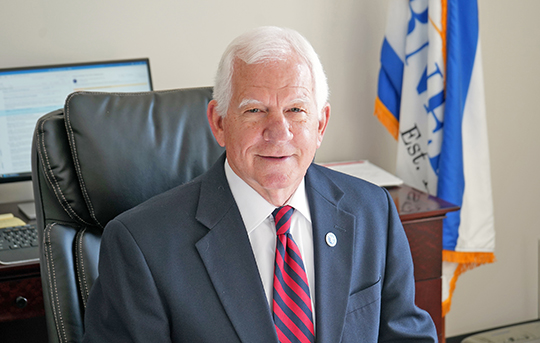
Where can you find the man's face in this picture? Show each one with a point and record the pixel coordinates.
(272, 128)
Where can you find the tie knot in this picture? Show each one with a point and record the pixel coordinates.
(282, 217)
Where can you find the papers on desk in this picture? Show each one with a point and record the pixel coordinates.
(366, 171)
(8, 220)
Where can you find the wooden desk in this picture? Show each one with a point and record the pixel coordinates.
(19, 282)
(422, 216)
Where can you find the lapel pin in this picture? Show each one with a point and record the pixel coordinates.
(331, 239)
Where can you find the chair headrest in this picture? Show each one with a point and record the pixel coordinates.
(128, 147)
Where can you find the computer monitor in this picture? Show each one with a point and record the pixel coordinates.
(30, 92)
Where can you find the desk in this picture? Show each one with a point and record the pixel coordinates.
(420, 214)
(20, 280)
(24, 322)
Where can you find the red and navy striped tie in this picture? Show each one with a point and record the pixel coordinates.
(292, 303)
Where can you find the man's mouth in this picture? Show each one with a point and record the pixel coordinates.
(275, 157)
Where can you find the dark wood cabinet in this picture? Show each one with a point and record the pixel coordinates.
(422, 216)
(20, 284)
(21, 298)
(22, 315)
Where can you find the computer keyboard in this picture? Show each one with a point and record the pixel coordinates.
(18, 244)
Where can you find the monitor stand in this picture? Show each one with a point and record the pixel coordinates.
(28, 209)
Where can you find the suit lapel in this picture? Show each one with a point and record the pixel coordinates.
(229, 260)
(333, 265)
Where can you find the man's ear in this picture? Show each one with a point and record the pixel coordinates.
(323, 123)
(216, 122)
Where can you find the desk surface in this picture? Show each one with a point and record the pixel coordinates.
(413, 204)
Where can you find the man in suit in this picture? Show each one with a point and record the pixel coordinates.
(196, 264)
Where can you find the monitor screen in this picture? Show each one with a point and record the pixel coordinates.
(28, 93)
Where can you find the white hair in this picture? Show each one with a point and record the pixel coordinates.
(266, 44)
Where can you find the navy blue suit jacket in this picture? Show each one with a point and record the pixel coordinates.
(180, 268)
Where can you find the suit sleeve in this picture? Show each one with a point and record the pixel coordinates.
(124, 304)
(401, 319)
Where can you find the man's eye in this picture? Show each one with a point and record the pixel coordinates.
(253, 110)
(296, 110)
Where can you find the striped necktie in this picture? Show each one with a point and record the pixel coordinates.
(292, 304)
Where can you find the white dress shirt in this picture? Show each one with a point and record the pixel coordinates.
(257, 216)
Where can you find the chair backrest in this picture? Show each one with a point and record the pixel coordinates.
(99, 156)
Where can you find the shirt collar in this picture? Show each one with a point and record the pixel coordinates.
(254, 209)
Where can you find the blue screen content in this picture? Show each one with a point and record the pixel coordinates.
(29, 93)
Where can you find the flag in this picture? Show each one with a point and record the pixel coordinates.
(430, 97)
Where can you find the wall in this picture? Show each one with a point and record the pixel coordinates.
(184, 40)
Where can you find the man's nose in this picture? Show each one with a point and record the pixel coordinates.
(277, 128)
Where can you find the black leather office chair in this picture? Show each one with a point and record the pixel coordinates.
(99, 156)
